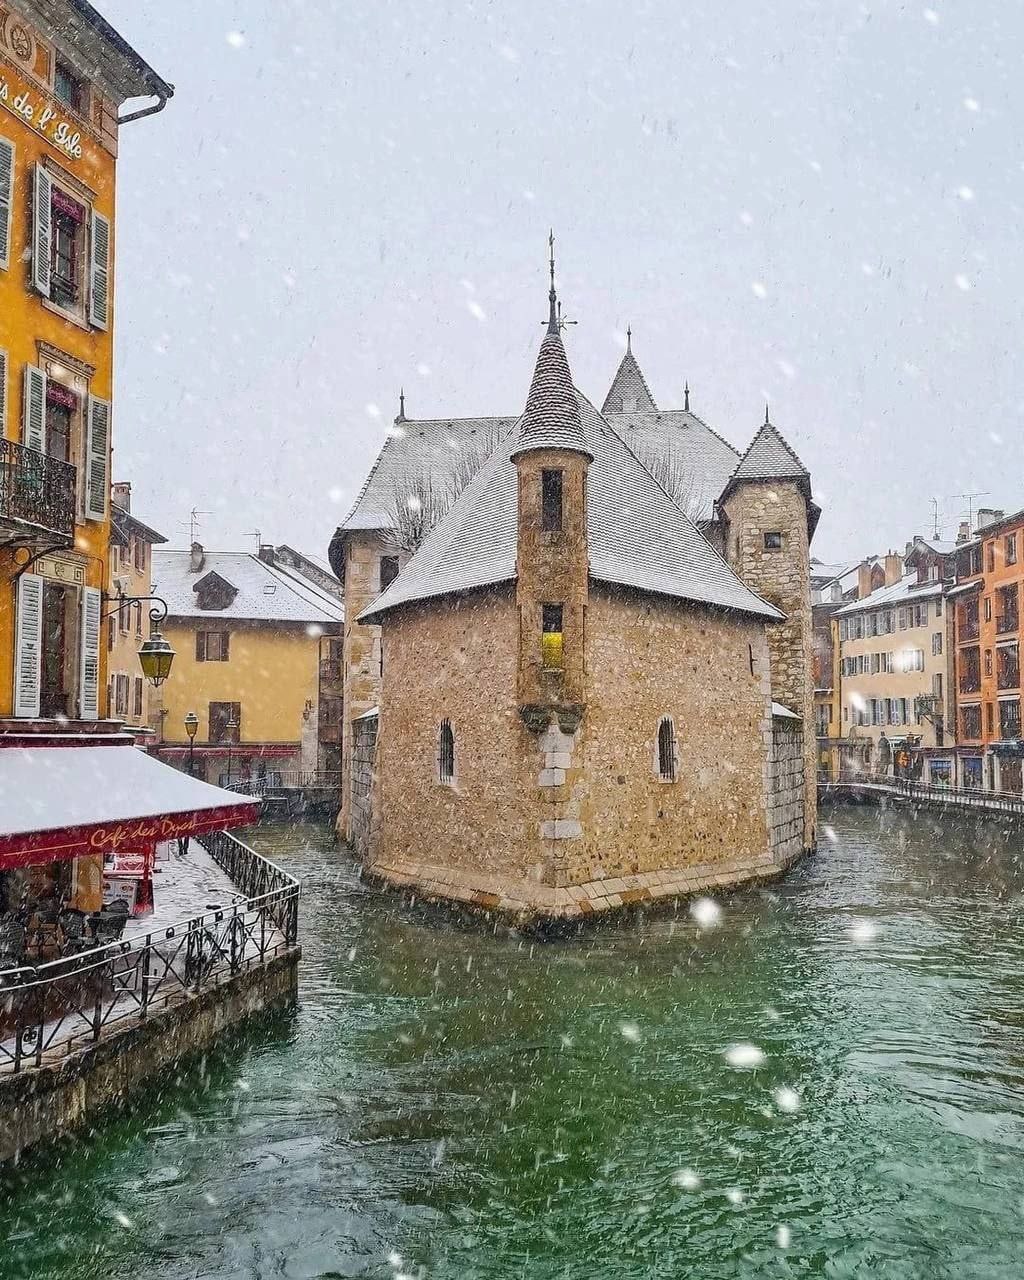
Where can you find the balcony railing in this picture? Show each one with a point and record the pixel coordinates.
(53, 1010)
(1008, 679)
(37, 490)
(1007, 622)
(968, 629)
(970, 682)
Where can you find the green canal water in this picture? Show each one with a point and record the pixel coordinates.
(449, 1101)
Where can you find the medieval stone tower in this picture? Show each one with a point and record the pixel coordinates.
(768, 520)
(551, 461)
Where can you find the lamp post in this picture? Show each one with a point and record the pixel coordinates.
(155, 654)
(232, 727)
(191, 726)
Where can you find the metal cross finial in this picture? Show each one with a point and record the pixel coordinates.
(629, 338)
(767, 423)
(686, 397)
(401, 405)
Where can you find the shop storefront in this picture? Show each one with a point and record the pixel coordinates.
(80, 822)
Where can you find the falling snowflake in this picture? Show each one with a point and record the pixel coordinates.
(758, 289)
(972, 104)
(734, 1195)
(962, 282)
(706, 912)
(744, 1056)
(235, 39)
(476, 310)
(783, 1237)
(787, 1099)
(686, 1180)
(863, 931)
(965, 193)
(630, 1031)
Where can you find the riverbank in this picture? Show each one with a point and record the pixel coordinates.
(484, 1107)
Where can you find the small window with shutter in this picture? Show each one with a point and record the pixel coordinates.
(6, 200)
(446, 754)
(97, 461)
(666, 750)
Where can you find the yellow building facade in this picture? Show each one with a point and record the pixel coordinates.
(131, 562)
(252, 636)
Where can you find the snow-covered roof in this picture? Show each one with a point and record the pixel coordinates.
(265, 592)
(441, 450)
(637, 535)
(552, 417)
(906, 589)
(629, 392)
(50, 788)
(769, 457)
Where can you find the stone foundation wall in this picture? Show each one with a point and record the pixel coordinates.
(786, 788)
(43, 1103)
(363, 764)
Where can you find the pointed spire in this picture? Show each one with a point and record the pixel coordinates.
(686, 397)
(553, 325)
(629, 392)
(552, 417)
(767, 420)
(769, 457)
(401, 406)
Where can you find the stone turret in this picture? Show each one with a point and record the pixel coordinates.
(768, 520)
(551, 461)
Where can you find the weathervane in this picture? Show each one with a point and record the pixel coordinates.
(555, 322)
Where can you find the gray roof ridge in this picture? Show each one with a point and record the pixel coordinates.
(367, 482)
(717, 434)
(692, 523)
(297, 583)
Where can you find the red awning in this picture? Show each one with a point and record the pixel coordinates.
(65, 801)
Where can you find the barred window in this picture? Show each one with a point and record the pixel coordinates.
(666, 750)
(446, 753)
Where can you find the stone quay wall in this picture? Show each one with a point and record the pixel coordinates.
(361, 801)
(786, 787)
(42, 1103)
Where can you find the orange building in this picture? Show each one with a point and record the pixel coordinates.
(990, 574)
(64, 77)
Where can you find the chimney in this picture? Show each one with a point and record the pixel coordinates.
(267, 554)
(864, 579)
(893, 568)
(964, 533)
(197, 559)
(987, 516)
(121, 493)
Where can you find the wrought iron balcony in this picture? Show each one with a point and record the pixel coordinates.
(1008, 621)
(37, 493)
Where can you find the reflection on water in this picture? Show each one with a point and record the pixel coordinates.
(481, 1105)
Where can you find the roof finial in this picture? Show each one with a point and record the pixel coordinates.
(629, 338)
(767, 421)
(401, 405)
(686, 397)
(553, 325)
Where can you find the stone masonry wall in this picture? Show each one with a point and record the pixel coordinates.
(781, 577)
(361, 680)
(363, 763)
(560, 808)
(786, 792)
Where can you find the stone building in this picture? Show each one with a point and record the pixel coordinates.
(588, 683)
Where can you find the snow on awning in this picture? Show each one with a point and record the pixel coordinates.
(65, 801)
(783, 713)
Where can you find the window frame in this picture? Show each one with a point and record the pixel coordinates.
(773, 539)
(552, 500)
(552, 652)
(666, 758)
(446, 753)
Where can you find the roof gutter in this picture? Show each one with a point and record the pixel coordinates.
(147, 111)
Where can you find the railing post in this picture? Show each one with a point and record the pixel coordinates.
(147, 951)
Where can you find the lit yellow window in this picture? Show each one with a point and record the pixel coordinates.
(551, 637)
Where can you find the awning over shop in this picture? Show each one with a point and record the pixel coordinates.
(65, 801)
(783, 713)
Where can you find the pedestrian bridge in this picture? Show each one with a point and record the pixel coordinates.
(293, 791)
(872, 787)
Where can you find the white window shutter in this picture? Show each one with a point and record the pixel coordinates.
(6, 200)
(3, 395)
(89, 690)
(33, 409)
(42, 231)
(97, 474)
(29, 646)
(99, 272)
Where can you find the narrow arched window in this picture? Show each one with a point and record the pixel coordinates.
(666, 750)
(446, 753)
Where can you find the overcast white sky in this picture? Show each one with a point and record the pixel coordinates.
(817, 202)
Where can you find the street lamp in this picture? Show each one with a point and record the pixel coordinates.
(232, 727)
(155, 654)
(191, 726)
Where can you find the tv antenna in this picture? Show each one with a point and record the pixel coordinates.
(193, 523)
(257, 534)
(969, 497)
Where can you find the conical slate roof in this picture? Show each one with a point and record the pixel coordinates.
(552, 417)
(769, 458)
(629, 392)
(636, 534)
